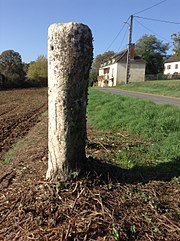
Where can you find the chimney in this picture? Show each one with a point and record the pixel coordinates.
(132, 51)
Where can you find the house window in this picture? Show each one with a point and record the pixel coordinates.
(106, 71)
(176, 66)
(169, 67)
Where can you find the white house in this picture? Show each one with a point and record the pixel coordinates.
(172, 65)
(113, 70)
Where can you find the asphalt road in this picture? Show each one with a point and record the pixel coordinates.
(155, 98)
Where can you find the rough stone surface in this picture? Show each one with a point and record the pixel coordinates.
(69, 62)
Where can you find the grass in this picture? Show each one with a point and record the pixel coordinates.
(12, 153)
(157, 127)
(161, 87)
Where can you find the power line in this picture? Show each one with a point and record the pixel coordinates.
(117, 35)
(152, 31)
(125, 33)
(150, 7)
(158, 20)
(152, 19)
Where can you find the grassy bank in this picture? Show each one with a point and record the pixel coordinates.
(156, 127)
(161, 87)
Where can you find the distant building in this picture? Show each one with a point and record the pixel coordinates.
(172, 65)
(113, 70)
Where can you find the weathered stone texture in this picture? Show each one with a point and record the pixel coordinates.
(69, 62)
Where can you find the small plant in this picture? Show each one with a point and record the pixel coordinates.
(124, 159)
(133, 229)
(75, 174)
(147, 198)
(115, 234)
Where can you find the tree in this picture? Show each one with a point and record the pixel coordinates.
(11, 68)
(93, 74)
(153, 51)
(176, 43)
(37, 71)
(96, 65)
(25, 67)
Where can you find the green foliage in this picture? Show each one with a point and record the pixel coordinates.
(101, 57)
(37, 71)
(93, 74)
(147, 198)
(153, 52)
(158, 125)
(115, 234)
(176, 43)
(132, 155)
(96, 65)
(133, 229)
(11, 68)
(25, 67)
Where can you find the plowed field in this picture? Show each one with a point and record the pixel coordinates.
(19, 111)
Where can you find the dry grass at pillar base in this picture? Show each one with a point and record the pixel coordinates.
(88, 208)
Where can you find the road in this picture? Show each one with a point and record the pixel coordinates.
(158, 99)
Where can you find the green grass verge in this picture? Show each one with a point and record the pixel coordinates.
(157, 125)
(161, 87)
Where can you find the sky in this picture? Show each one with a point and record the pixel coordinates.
(24, 23)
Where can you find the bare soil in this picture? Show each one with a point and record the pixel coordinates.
(19, 111)
(102, 202)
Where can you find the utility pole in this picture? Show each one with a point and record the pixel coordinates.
(128, 65)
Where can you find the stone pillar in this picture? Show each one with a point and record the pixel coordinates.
(69, 61)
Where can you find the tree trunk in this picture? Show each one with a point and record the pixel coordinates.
(69, 62)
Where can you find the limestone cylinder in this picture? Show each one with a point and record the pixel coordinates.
(69, 61)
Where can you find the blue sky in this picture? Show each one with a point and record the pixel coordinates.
(24, 23)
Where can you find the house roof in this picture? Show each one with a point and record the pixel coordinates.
(121, 57)
(172, 58)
